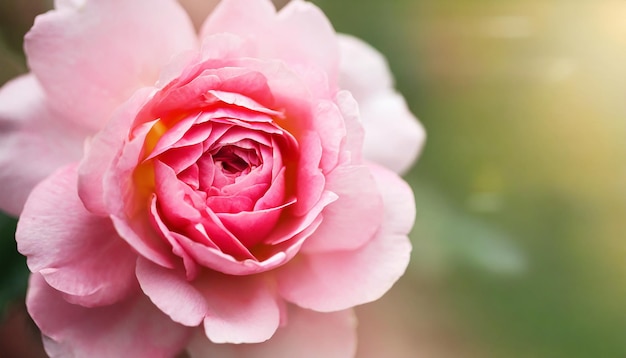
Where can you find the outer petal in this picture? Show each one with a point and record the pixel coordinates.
(234, 309)
(363, 70)
(167, 289)
(102, 51)
(352, 220)
(131, 328)
(102, 149)
(71, 248)
(393, 136)
(307, 334)
(241, 309)
(300, 34)
(338, 280)
(33, 142)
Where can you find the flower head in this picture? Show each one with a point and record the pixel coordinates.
(178, 190)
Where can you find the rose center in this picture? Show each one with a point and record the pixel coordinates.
(236, 161)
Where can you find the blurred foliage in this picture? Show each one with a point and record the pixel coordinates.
(520, 190)
(519, 240)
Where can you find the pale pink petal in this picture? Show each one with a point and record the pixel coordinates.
(240, 17)
(330, 125)
(353, 145)
(72, 248)
(101, 51)
(393, 136)
(131, 328)
(339, 280)
(102, 149)
(303, 24)
(363, 70)
(33, 141)
(352, 220)
(171, 293)
(299, 34)
(242, 309)
(307, 334)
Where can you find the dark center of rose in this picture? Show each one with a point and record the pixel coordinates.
(235, 161)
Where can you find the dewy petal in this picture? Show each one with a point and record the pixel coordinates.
(102, 51)
(339, 280)
(393, 136)
(72, 248)
(130, 328)
(242, 309)
(307, 334)
(33, 142)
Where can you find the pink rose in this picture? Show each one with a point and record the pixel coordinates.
(182, 190)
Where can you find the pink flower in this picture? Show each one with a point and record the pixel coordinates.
(180, 190)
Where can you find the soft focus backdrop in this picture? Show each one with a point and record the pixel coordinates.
(521, 190)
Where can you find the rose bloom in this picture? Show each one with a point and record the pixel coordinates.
(190, 191)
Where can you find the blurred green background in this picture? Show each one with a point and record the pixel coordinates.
(521, 198)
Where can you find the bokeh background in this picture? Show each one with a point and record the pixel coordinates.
(521, 189)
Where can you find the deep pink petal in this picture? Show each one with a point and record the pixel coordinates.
(352, 220)
(102, 51)
(339, 280)
(171, 293)
(242, 309)
(307, 334)
(130, 328)
(72, 248)
(310, 181)
(33, 141)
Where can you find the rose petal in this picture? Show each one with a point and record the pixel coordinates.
(310, 181)
(352, 220)
(339, 280)
(363, 70)
(171, 293)
(131, 328)
(33, 141)
(81, 53)
(308, 334)
(72, 248)
(387, 116)
(353, 142)
(242, 309)
(103, 149)
(329, 124)
(304, 24)
(299, 34)
(384, 113)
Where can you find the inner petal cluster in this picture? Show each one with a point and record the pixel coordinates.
(219, 179)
